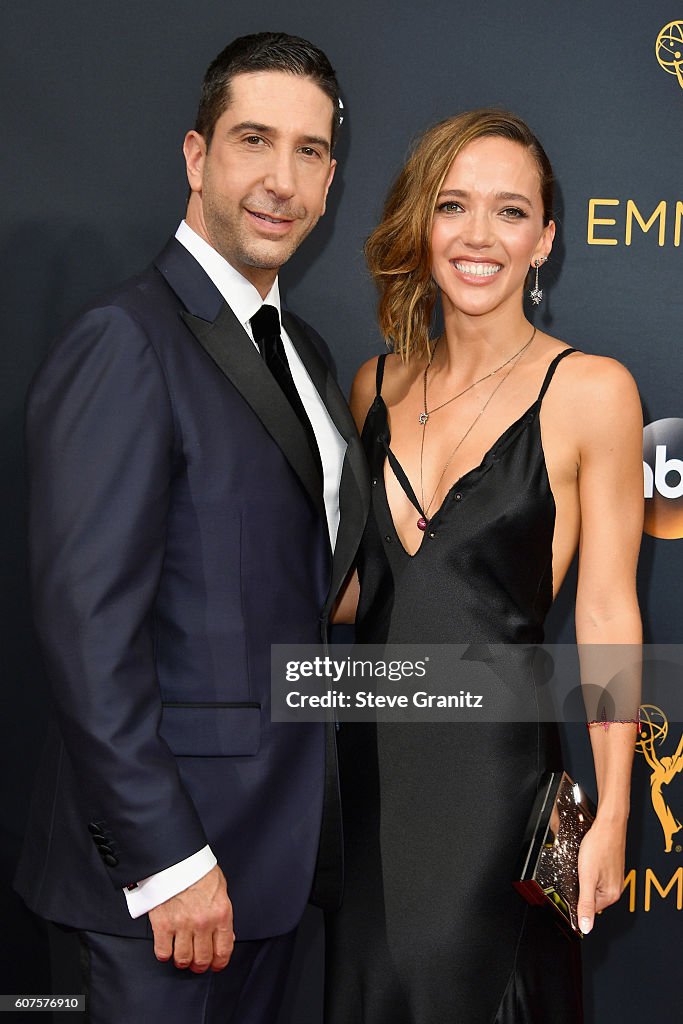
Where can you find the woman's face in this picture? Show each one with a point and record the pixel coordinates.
(488, 227)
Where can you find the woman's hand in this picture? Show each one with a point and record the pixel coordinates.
(601, 869)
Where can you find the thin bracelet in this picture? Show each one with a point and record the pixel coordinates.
(605, 722)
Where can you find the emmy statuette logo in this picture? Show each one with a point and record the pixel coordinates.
(663, 767)
(663, 474)
(669, 50)
(648, 887)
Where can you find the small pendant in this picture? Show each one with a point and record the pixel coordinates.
(424, 416)
(422, 524)
(536, 294)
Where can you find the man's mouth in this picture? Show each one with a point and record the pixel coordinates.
(477, 269)
(269, 218)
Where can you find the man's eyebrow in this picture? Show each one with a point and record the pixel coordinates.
(267, 129)
(251, 126)
(317, 140)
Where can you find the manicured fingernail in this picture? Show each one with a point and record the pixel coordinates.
(586, 925)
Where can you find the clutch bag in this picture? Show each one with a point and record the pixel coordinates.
(549, 870)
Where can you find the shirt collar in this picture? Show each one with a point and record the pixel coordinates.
(242, 297)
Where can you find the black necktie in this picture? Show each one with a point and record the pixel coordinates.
(266, 328)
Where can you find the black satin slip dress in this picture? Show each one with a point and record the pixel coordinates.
(431, 930)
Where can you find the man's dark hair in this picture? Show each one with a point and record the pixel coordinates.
(263, 51)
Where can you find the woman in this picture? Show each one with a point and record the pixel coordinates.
(495, 450)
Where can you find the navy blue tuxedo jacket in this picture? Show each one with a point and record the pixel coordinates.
(177, 530)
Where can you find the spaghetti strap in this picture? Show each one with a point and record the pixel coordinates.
(396, 466)
(403, 480)
(380, 371)
(551, 370)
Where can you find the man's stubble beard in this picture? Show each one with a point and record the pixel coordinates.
(235, 245)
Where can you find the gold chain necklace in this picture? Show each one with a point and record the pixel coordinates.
(423, 521)
(424, 416)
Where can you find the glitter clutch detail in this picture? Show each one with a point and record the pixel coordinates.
(549, 875)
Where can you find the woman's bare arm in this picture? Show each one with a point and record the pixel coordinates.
(608, 625)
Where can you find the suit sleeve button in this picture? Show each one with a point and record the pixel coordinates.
(110, 860)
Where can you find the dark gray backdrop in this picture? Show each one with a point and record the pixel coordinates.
(96, 98)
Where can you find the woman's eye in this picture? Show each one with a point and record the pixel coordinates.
(513, 213)
(449, 207)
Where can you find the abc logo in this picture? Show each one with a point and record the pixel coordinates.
(663, 469)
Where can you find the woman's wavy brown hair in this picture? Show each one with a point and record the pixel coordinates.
(398, 251)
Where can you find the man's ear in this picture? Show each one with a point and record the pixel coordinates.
(333, 165)
(194, 150)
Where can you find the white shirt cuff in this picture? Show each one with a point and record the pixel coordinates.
(158, 888)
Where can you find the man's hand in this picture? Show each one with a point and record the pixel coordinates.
(195, 927)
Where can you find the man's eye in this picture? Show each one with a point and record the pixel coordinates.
(254, 140)
(308, 151)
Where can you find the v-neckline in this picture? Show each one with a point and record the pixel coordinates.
(520, 422)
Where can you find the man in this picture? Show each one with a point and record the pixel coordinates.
(185, 451)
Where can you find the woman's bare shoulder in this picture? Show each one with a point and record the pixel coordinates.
(595, 390)
(588, 374)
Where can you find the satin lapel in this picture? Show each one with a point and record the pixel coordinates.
(231, 349)
(354, 504)
(354, 487)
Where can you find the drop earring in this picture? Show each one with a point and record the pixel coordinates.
(536, 293)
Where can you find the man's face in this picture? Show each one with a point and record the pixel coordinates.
(261, 186)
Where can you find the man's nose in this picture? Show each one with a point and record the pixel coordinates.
(280, 176)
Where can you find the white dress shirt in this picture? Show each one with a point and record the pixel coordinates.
(244, 300)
